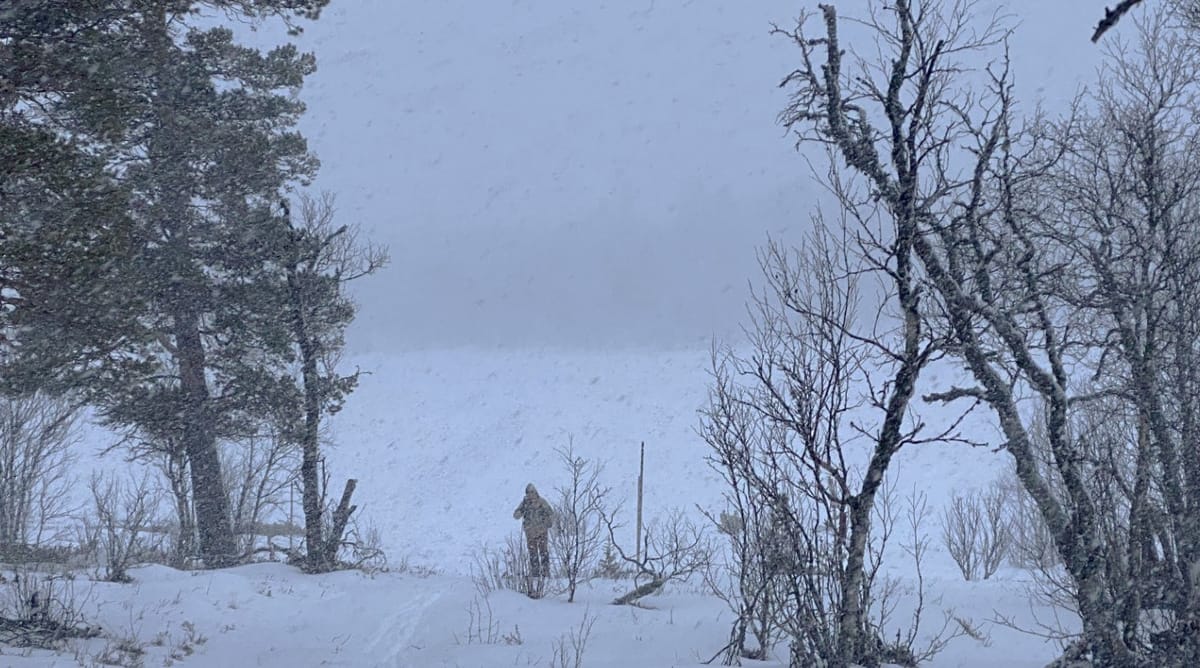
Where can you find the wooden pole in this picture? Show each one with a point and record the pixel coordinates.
(291, 516)
(641, 475)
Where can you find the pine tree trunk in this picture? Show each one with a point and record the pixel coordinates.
(217, 546)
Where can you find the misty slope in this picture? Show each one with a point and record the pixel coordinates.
(443, 442)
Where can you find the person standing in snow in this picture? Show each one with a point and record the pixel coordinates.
(537, 516)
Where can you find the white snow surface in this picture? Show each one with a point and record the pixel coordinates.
(442, 443)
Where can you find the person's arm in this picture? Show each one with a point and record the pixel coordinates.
(519, 511)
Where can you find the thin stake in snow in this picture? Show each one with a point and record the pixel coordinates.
(637, 538)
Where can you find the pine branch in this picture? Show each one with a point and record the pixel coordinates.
(1111, 16)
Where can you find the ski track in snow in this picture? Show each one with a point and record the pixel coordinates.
(394, 636)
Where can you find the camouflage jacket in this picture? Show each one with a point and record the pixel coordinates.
(536, 514)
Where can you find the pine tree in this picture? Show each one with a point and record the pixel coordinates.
(197, 134)
(61, 213)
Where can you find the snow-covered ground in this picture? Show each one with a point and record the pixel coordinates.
(442, 443)
(591, 172)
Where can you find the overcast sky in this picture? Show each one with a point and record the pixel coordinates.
(581, 173)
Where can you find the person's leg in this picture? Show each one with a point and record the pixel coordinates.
(544, 554)
(531, 546)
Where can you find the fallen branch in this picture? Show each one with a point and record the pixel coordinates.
(41, 633)
(642, 591)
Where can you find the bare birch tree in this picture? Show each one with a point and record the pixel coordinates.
(805, 427)
(1126, 213)
(746, 578)
(320, 258)
(1016, 276)
(577, 536)
(37, 433)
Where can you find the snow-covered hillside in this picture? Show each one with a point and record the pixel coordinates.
(442, 443)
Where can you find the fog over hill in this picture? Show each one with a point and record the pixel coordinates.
(593, 174)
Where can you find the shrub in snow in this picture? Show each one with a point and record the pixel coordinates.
(610, 564)
(505, 568)
(1031, 545)
(36, 436)
(577, 536)
(124, 514)
(571, 646)
(41, 610)
(674, 548)
(976, 530)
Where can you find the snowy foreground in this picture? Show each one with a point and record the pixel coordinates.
(442, 443)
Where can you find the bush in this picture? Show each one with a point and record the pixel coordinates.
(36, 435)
(578, 533)
(125, 513)
(506, 568)
(610, 565)
(41, 610)
(675, 548)
(571, 646)
(977, 531)
(259, 471)
(363, 548)
(1031, 544)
